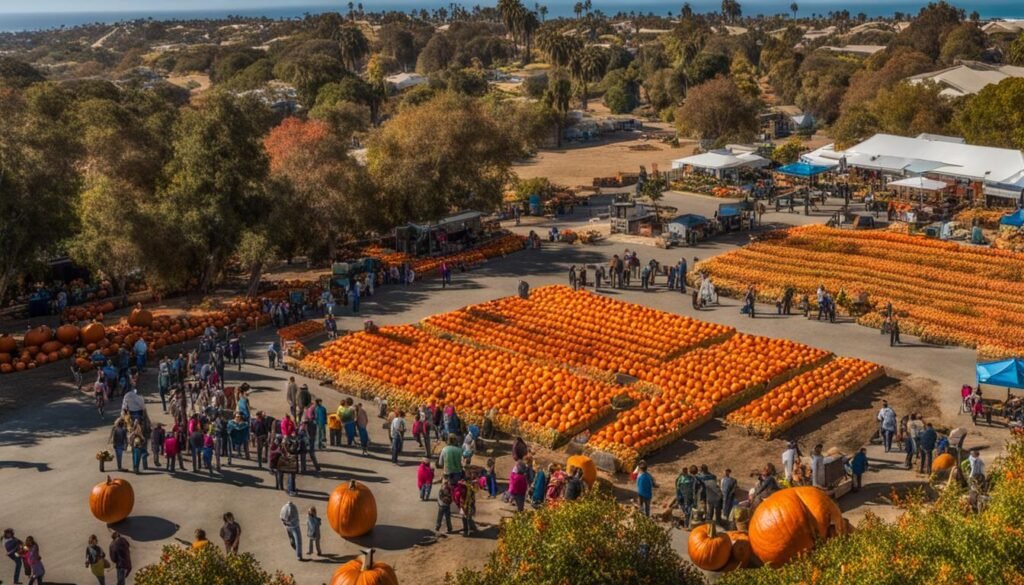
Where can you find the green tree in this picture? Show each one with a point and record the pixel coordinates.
(38, 178)
(558, 98)
(718, 111)
(436, 56)
(18, 74)
(587, 65)
(589, 541)
(788, 152)
(884, 70)
(449, 153)
(622, 92)
(909, 109)
(966, 41)
(929, 29)
(744, 75)
(856, 124)
(353, 45)
(207, 566)
(731, 10)
(211, 191)
(994, 116)
(1015, 53)
(794, 8)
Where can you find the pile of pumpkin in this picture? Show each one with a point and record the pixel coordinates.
(300, 330)
(409, 366)
(800, 397)
(788, 523)
(43, 345)
(715, 375)
(651, 424)
(281, 289)
(581, 329)
(500, 246)
(87, 312)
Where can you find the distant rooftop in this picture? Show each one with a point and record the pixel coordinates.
(968, 78)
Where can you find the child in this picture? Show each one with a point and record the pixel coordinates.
(334, 426)
(491, 479)
(425, 479)
(417, 430)
(313, 531)
(208, 451)
(467, 504)
(444, 505)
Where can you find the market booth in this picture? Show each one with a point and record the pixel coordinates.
(451, 234)
(1008, 374)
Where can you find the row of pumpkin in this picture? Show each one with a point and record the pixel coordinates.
(43, 345)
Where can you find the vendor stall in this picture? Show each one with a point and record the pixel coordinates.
(1008, 374)
(451, 234)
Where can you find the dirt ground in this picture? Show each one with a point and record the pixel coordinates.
(190, 82)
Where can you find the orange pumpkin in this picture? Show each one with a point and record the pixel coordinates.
(6, 368)
(709, 549)
(5, 358)
(140, 318)
(364, 571)
(8, 344)
(51, 346)
(741, 552)
(112, 501)
(352, 509)
(943, 462)
(790, 521)
(67, 334)
(93, 333)
(38, 336)
(586, 464)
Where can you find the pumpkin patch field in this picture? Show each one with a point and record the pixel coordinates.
(944, 292)
(565, 361)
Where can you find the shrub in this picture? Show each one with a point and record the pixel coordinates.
(207, 566)
(591, 541)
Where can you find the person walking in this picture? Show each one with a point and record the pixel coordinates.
(467, 505)
(858, 465)
(397, 435)
(164, 381)
(96, 560)
(320, 416)
(347, 415)
(926, 447)
(818, 467)
(572, 277)
(34, 561)
(362, 420)
(230, 533)
(291, 392)
(444, 506)
(790, 459)
(518, 484)
(12, 548)
(728, 487)
(290, 519)
(119, 439)
(644, 488)
(712, 494)
(120, 555)
(450, 459)
(313, 531)
(424, 479)
(685, 494)
(887, 424)
(894, 332)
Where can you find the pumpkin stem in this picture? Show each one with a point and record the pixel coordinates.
(368, 557)
(109, 480)
(712, 529)
(352, 484)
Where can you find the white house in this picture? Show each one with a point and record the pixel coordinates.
(403, 81)
(967, 78)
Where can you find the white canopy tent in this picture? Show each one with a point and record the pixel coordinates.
(719, 162)
(921, 183)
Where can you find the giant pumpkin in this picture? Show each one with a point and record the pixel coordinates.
(112, 501)
(140, 318)
(67, 334)
(93, 333)
(790, 521)
(364, 571)
(586, 464)
(38, 336)
(8, 344)
(352, 509)
(709, 549)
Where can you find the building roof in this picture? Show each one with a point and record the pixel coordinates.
(1008, 27)
(969, 77)
(900, 154)
(922, 183)
(865, 50)
(405, 80)
(721, 159)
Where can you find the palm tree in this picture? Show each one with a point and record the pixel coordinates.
(587, 6)
(731, 10)
(578, 9)
(353, 46)
(351, 9)
(794, 8)
(528, 26)
(543, 10)
(585, 66)
(557, 97)
(686, 11)
(512, 12)
(559, 48)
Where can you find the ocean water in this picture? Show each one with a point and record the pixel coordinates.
(12, 20)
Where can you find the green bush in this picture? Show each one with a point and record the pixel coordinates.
(207, 566)
(591, 541)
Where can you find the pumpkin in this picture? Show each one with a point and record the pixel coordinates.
(65, 352)
(140, 318)
(586, 464)
(83, 364)
(352, 509)
(5, 358)
(790, 521)
(6, 368)
(112, 501)
(364, 571)
(20, 366)
(38, 336)
(8, 344)
(51, 346)
(943, 462)
(741, 551)
(709, 549)
(93, 333)
(67, 334)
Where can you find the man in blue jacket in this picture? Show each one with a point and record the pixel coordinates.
(926, 445)
(644, 488)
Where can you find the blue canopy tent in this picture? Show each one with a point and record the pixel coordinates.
(1008, 373)
(1015, 219)
(803, 170)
